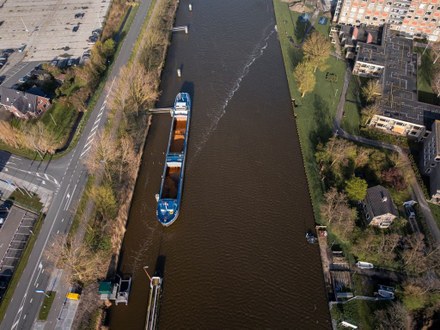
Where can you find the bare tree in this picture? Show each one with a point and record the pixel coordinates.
(127, 161)
(413, 254)
(11, 136)
(372, 90)
(40, 138)
(337, 213)
(83, 265)
(104, 153)
(369, 112)
(392, 317)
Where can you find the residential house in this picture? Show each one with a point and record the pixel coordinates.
(23, 104)
(379, 208)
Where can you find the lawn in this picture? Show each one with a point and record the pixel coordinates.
(435, 209)
(424, 76)
(315, 112)
(47, 304)
(352, 108)
(26, 199)
(357, 312)
(60, 119)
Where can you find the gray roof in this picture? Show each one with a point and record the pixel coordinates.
(399, 79)
(378, 201)
(22, 101)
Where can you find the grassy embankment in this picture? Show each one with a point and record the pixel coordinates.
(316, 110)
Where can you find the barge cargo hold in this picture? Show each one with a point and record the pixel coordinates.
(170, 196)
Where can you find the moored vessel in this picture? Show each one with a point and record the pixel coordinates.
(170, 196)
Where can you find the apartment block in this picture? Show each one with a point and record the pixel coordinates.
(412, 18)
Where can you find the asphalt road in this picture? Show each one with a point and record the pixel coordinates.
(72, 176)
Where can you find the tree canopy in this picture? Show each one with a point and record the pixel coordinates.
(316, 50)
(372, 90)
(356, 188)
(304, 78)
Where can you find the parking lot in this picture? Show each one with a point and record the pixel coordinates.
(50, 28)
(14, 233)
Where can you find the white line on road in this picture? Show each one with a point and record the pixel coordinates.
(70, 200)
(84, 152)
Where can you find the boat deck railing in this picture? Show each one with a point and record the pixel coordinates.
(153, 304)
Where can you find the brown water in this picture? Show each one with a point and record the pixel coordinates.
(236, 257)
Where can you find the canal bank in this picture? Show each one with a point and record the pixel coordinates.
(236, 257)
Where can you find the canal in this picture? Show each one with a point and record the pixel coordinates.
(236, 257)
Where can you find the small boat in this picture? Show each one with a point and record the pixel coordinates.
(311, 238)
(170, 196)
(364, 265)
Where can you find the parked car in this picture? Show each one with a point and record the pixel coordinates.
(75, 28)
(79, 15)
(23, 79)
(54, 63)
(2, 221)
(72, 62)
(21, 48)
(92, 40)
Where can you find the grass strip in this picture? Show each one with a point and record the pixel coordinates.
(26, 199)
(20, 268)
(47, 304)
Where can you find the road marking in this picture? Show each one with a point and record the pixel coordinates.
(62, 220)
(84, 152)
(70, 200)
(30, 301)
(24, 317)
(15, 324)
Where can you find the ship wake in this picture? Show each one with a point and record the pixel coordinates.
(255, 55)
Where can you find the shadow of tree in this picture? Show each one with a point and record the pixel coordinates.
(301, 27)
(295, 56)
(323, 130)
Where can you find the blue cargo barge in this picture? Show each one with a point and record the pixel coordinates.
(170, 196)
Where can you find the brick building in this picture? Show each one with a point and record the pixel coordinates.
(412, 18)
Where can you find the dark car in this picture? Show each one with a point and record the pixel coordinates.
(75, 28)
